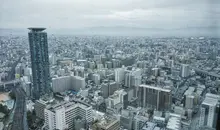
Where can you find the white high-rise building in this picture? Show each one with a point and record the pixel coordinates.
(208, 115)
(96, 78)
(136, 81)
(61, 116)
(27, 71)
(185, 71)
(61, 84)
(78, 83)
(189, 101)
(119, 75)
(116, 98)
(133, 78)
(128, 79)
(52, 59)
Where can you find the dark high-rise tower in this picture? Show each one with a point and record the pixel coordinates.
(39, 61)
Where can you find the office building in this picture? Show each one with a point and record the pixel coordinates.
(27, 71)
(65, 115)
(156, 72)
(39, 61)
(154, 97)
(119, 75)
(133, 78)
(117, 97)
(96, 78)
(113, 86)
(128, 80)
(117, 101)
(126, 119)
(19, 69)
(61, 84)
(79, 71)
(53, 59)
(175, 73)
(108, 88)
(115, 63)
(91, 64)
(189, 101)
(140, 119)
(39, 107)
(208, 115)
(185, 70)
(105, 90)
(109, 123)
(78, 83)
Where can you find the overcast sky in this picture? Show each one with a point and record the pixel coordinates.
(92, 13)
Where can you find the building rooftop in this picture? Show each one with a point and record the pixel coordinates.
(149, 126)
(34, 29)
(156, 88)
(174, 123)
(67, 105)
(215, 96)
(210, 101)
(107, 122)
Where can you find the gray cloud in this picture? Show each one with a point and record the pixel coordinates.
(90, 13)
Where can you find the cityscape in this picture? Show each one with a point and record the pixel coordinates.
(110, 79)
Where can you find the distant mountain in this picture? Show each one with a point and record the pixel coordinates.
(125, 31)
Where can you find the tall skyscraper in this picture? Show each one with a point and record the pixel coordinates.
(185, 70)
(39, 61)
(154, 97)
(133, 78)
(119, 75)
(209, 107)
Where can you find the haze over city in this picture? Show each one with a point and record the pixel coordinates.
(109, 64)
(124, 17)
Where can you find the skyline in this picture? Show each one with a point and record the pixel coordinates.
(85, 14)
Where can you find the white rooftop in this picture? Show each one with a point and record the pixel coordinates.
(174, 123)
(154, 87)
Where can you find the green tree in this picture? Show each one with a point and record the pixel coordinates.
(12, 95)
(29, 118)
(4, 109)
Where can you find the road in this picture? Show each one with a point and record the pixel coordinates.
(20, 117)
(207, 72)
(195, 121)
(10, 82)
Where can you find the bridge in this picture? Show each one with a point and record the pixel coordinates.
(198, 71)
(206, 73)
